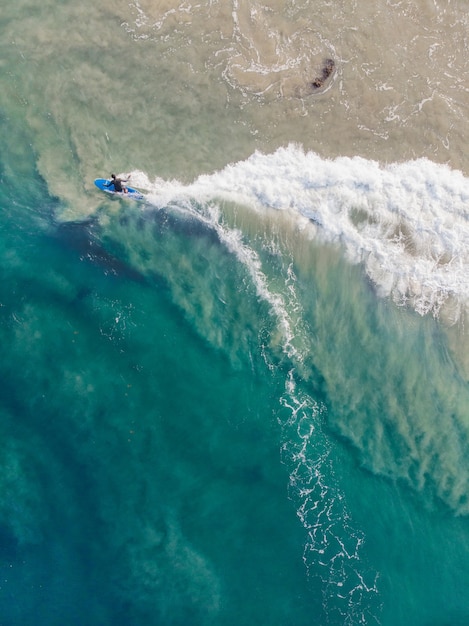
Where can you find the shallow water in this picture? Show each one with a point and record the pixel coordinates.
(246, 399)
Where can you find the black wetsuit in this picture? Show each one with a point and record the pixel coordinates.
(117, 182)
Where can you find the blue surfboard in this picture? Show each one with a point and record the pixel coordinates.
(134, 194)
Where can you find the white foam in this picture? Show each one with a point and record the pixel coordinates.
(333, 546)
(408, 223)
(333, 550)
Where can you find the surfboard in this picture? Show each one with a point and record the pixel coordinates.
(132, 194)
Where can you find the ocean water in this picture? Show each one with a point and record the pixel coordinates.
(246, 399)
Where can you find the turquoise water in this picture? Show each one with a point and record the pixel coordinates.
(245, 400)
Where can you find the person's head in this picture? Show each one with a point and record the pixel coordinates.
(113, 176)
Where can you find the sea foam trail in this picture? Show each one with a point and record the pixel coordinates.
(408, 223)
(333, 549)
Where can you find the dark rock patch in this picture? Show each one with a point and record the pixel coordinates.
(327, 70)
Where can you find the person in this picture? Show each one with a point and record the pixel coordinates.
(118, 183)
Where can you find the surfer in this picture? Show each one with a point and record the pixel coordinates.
(118, 183)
